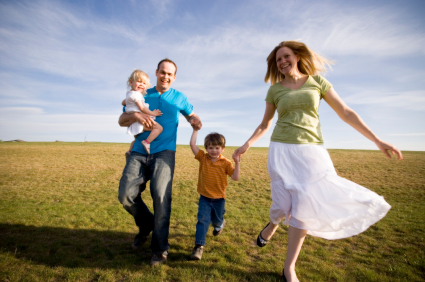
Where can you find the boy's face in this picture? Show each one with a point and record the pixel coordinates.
(214, 151)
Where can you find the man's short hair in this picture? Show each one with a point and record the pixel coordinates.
(169, 61)
(215, 139)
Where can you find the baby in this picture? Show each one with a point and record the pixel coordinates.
(135, 102)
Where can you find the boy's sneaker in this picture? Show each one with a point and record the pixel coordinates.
(197, 253)
(158, 259)
(218, 232)
(147, 146)
(139, 240)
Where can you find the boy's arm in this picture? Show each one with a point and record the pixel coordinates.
(193, 146)
(235, 175)
(146, 110)
(123, 102)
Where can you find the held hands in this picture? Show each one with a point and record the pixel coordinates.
(385, 147)
(239, 151)
(195, 122)
(157, 113)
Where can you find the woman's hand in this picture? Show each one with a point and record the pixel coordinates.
(387, 147)
(239, 151)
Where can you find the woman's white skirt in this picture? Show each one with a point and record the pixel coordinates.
(308, 194)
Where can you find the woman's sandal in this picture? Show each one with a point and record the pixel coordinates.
(261, 242)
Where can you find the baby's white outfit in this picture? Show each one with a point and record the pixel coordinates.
(131, 98)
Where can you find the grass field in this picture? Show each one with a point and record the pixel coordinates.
(60, 220)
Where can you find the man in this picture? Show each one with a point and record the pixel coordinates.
(158, 166)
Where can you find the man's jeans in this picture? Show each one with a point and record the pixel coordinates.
(209, 211)
(159, 169)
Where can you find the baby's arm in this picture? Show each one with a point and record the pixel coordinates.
(195, 148)
(146, 110)
(235, 175)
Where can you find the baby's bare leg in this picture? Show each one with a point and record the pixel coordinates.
(155, 131)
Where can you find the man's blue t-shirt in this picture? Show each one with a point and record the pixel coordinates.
(170, 103)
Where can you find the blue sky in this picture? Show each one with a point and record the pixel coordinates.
(64, 64)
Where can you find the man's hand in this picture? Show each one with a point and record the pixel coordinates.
(194, 121)
(126, 120)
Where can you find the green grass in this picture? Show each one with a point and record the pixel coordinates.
(60, 220)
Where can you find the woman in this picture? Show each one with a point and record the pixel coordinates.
(306, 190)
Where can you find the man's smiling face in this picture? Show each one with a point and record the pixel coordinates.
(165, 76)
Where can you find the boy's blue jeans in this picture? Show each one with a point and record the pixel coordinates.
(159, 169)
(209, 211)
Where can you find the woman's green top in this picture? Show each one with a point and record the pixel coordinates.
(298, 111)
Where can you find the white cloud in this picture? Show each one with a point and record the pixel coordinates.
(19, 111)
(407, 134)
(408, 100)
(33, 124)
(380, 31)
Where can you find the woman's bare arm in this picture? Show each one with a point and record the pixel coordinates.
(259, 131)
(352, 118)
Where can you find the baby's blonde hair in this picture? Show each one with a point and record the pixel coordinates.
(310, 62)
(138, 75)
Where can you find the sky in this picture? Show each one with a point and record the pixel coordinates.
(64, 65)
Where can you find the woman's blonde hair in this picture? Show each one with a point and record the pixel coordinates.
(138, 75)
(310, 63)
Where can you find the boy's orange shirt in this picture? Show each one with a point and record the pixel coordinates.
(212, 181)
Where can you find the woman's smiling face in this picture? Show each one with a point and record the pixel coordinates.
(286, 60)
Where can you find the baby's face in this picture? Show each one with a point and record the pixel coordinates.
(139, 86)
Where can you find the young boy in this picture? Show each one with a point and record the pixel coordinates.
(212, 184)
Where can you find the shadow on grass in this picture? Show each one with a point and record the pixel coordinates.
(83, 248)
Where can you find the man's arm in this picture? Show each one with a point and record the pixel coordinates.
(194, 121)
(126, 120)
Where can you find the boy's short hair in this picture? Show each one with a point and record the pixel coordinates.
(215, 139)
(138, 75)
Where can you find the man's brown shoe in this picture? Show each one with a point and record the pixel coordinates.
(158, 259)
(197, 253)
(139, 240)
